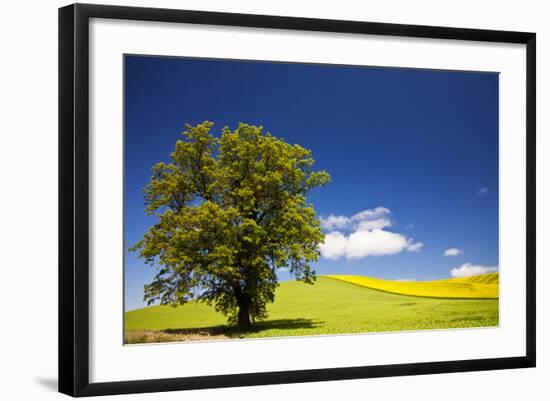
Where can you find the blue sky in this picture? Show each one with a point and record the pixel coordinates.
(415, 150)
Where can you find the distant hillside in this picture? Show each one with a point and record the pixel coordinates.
(489, 278)
(483, 286)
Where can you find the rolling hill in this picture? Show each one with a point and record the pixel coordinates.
(330, 306)
(483, 286)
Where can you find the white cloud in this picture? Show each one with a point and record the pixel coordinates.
(374, 243)
(335, 245)
(409, 226)
(483, 191)
(333, 222)
(366, 237)
(468, 269)
(414, 246)
(369, 219)
(371, 214)
(373, 224)
(405, 280)
(452, 252)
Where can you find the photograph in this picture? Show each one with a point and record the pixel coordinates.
(270, 199)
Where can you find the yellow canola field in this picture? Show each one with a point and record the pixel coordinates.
(480, 286)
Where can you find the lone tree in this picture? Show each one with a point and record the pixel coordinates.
(231, 211)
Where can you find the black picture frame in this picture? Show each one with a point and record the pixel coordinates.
(74, 198)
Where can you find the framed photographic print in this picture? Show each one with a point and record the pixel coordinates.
(249, 199)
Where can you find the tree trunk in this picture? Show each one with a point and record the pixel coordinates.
(243, 316)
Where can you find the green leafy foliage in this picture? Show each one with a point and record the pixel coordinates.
(231, 211)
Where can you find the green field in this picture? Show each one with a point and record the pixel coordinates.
(330, 306)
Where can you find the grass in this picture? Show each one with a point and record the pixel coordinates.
(483, 286)
(331, 306)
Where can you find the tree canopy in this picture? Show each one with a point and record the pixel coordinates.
(231, 210)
